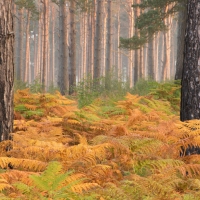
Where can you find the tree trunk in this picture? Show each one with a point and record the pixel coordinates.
(97, 45)
(131, 60)
(190, 91)
(150, 64)
(72, 51)
(6, 69)
(27, 59)
(53, 45)
(119, 56)
(103, 43)
(63, 68)
(137, 66)
(109, 46)
(17, 42)
(21, 32)
(182, 17)
(92, 36)
(45, 44)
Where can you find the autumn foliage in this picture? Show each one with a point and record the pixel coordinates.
(135, 148)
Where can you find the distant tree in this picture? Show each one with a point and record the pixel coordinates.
(108, 45)
(98, 40)
(72, 48)
(63, 68)
(6, 68)
(22, 66)
(182, 17)
(152, 21)
(45, 43)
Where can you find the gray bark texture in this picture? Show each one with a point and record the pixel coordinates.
(6, 69)
(190, 91)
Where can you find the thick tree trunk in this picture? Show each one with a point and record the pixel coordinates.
(190, 91)
(6, 69)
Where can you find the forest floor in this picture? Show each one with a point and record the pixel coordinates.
(132, 149)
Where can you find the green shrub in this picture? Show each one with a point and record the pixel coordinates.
(144, 87)
(89, 89)
(20, 85)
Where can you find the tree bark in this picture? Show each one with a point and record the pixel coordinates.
(27, 59)
(137, 66)
(190, 91)
(182, 17)
(150, 64)
(97, 43)
(72, 51)
(21, 43)
(109, 46)
(6, 69)
(45, 44)
(63, 71)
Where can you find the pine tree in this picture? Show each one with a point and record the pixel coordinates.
(6, 68)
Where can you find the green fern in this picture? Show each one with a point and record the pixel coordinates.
(50, 184)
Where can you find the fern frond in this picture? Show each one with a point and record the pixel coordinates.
(118, 130)
(151, 187)
(195, 159)
(27, 164)
(81, 139)
(16, 175)
(30, 107)
(5, 146)
(145, 146)
(4, 185)
(80, 188)
(189, 170)
(25, 189)
(74, 177)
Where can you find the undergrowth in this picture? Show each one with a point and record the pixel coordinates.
(133, 148)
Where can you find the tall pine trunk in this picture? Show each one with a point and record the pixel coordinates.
(182, 17)
(6, 69)
(45, 44)
(27, 63)
(109, 46)
(97, 43)
(72, 51)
